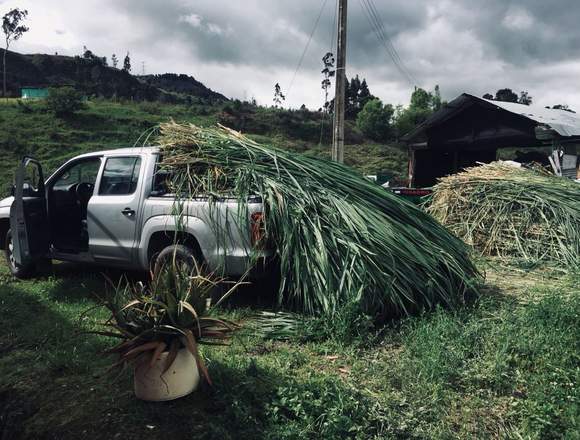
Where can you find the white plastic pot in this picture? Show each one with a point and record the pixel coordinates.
(181, 379)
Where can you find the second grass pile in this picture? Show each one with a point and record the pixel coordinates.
(512, 213)
(341, 240)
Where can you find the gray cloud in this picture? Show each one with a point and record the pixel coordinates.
(266, 33)
(243, 47)
(523, 31)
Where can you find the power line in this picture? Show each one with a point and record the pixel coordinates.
(306, 47)
(392, 46)
(376, 25)
(388, 40)
(382, 35)
(334, 24)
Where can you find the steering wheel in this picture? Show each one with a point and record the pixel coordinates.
(83, 191)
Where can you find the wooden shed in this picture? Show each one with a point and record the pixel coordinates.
(470, 129)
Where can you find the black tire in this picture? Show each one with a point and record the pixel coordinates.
(184, 257)
(188, 262)
(18, 271)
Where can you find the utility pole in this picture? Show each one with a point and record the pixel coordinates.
(338, 131)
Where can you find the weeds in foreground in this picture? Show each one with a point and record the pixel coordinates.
(504, 367)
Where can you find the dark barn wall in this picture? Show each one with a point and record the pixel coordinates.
(429, 165)
(472, 135)
(479, 127)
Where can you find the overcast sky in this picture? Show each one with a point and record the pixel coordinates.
(241, 48)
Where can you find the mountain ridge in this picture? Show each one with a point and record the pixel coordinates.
(91, 75)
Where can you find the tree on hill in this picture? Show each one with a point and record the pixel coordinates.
(87, 54)
(506, 95)
(423, 104)
(562, 107)
(127, 63)
(13, 30)
(357, 95)
(525, 98)
(114, 60)
(374, 120)
(436, 102)
(278, 95)
(91, 58)
(64, 101)
(327, 73)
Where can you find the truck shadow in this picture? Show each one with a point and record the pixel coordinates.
(79, 282)
(52, 383)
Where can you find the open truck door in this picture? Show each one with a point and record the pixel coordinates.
(28, 239)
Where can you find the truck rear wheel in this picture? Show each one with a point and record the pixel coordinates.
(17, 270)
(187, 263)
(184, 258)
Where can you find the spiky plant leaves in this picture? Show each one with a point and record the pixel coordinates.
(170, 312)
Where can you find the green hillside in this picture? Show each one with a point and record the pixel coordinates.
(28, 128)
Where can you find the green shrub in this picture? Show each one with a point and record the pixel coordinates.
(151, 107)
(64, 101)
(374, 120)
(24, 107)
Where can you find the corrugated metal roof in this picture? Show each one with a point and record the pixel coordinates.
(565, 123)
(562, 122)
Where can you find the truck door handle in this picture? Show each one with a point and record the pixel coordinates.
(128, 212)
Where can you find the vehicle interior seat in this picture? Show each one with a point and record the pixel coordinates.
(68, 200)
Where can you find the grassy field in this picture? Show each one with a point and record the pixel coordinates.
(27, 128)
(506, 366)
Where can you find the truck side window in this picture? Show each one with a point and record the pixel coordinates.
(31, 181)
(120, 176)
(161, 181)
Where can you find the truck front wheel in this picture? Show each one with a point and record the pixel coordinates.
(17, 270)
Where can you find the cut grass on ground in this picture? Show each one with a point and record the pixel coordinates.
(505, 367)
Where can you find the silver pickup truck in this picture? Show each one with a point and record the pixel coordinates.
(113, 208)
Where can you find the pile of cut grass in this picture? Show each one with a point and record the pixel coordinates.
(512, 212)
(341, 240)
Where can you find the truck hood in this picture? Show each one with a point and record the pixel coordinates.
(7, 202)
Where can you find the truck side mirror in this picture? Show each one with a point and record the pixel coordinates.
(12, 190)
(27, 190)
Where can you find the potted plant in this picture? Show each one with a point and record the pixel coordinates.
(160, 326)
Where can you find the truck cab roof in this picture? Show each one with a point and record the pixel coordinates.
(121, 152)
